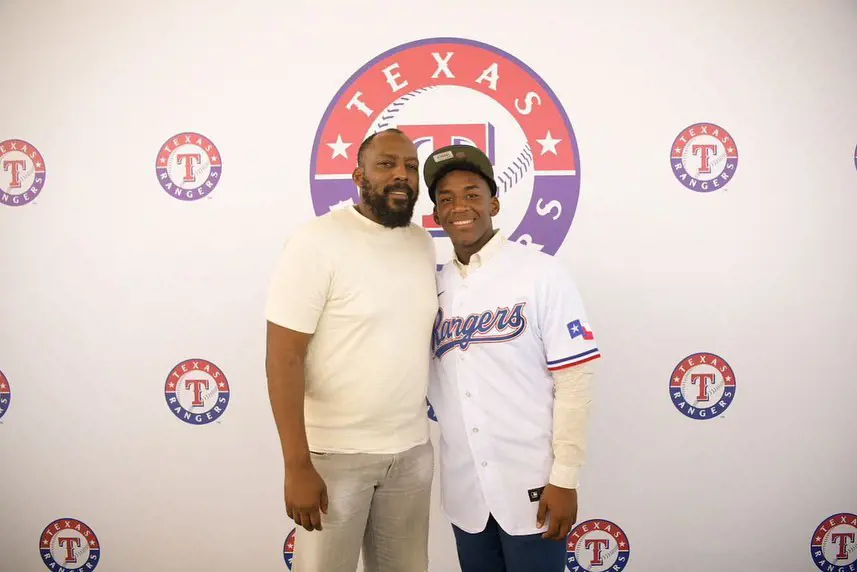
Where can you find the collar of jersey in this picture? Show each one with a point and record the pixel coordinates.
(478, 259)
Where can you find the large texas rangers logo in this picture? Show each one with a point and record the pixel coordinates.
(188, 166)
(704, 157)
(68, 544)
(702, 386)
(22, 172)
(5, 395)
(834, 543)
(597, 546)
(445, 91)
(197, 391)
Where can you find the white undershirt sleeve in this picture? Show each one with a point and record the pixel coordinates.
(573, 398)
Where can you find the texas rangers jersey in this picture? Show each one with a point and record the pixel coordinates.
(497, 336)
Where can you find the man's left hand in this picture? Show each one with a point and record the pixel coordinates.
(561, 506)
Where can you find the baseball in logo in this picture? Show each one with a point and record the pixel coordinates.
(197, 391)
(704, 157)
(22, 172)
(834, 543)
(702, 386)
(452, 91)
(289, 549)
(597, 545)
(5, 395)
(188, 166)
(68, 544)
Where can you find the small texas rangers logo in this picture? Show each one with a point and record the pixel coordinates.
(197, 391)
(22, 172)
(289, 549)
(597, 545)
(430, 411)
(188, 166)
(704, 157)
(702, 385)
(68, 544)
(834, 543)
(443, 91)
(5, 395)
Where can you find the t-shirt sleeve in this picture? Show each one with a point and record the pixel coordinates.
(300, 284)
(566, 334)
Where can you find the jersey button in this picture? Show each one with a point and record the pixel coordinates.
(467, 393)
(476, 430)
(484, 464)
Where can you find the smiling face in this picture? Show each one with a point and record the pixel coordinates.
(464, 209)
(388, 177)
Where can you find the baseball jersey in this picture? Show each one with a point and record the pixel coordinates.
(498, 336)
(367, 295)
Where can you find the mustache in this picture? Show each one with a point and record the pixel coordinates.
(400, 186)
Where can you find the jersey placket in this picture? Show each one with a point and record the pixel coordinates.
(469, 377)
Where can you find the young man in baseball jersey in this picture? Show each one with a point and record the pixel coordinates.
(350, 315)
(510, 383)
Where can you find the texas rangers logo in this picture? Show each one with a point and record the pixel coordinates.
(22, 172)
(197, 391)
(702, 386)
(445, 91)
(597, 545)
(491, 326)
(188, 166)
(5, 395)
(704, 157)
(430, 411)
(68, 544)
(834, 543)
(289, 549)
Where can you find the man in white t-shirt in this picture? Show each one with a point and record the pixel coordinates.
(510, 381)
(350, 315)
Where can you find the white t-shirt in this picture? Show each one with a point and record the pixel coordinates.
(504, 326)
(367, 294)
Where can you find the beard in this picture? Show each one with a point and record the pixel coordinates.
(390, 214)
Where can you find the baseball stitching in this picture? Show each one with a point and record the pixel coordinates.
(510, 176)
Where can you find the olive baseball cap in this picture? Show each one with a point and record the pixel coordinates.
(455, 157)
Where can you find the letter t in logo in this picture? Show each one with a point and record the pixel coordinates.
(842, 539)
(188, 159)
(703, 380)
(196, 384)
(16, 166)
(69, 543)
(598, 545)
(479, 135)
(705, 152)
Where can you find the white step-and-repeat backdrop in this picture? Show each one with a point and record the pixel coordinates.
(694, 163)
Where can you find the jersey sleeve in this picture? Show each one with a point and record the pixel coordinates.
(567, 337)
(300, 284)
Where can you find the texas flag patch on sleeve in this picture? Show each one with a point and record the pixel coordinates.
(578, 328)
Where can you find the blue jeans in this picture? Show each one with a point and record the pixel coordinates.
(493, 550)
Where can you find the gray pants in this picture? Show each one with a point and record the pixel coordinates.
(379, 502)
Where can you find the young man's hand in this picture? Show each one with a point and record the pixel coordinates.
(560, 506)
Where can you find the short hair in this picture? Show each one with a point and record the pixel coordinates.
(368, 141)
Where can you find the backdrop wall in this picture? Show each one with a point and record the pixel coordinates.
(694, 163)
